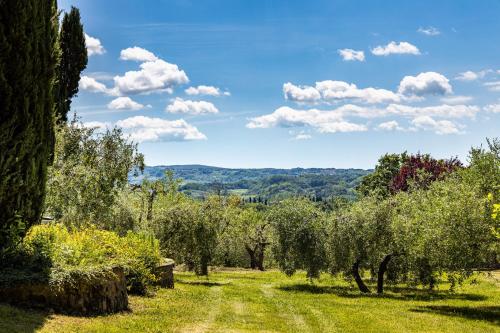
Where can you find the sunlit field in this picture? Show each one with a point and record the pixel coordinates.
(249, 301)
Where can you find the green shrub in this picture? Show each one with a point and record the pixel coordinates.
(90, 249)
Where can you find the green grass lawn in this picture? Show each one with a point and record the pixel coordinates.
(248, 301)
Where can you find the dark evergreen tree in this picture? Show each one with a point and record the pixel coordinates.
(73, 61)
(28, 35)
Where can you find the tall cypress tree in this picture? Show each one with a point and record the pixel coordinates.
(73, 61)
(28, 35)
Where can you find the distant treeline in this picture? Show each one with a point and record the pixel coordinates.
(261, 184)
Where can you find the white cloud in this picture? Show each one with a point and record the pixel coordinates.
(342, 127)
(472, 76)
(323, 121)
(301, 94)
(180, 105)
(429, 31)
(143, 129)
(352, 55)
(456, 99)
(428, 83)
(97, 124)
(124, 103)
(137, 54)
(206, 90)
(92, 85)
(94, 46)
(493, 108)
(154, 76)
(493, 86)
(441, 127)
(340, 90)
(396, 48)
(390, 126)
(331, 91)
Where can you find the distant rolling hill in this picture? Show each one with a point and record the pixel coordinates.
(199, 180)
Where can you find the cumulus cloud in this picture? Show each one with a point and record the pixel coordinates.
(124, 103)
(180, 105)
(456, 99)
(390, 126)
(396, 48)
(323, 121)
(153, 76)
(428, 83)
(429, 31)
(352, 55)
(206, 90)
(301, 94)
(340, 90)
(137, 54)
(92, 85)
(493, 108)
(142, 129)
(441, 127)
(331, 91)
(94, 46)
(472, 76)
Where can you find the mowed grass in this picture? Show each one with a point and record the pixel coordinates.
(249, 301)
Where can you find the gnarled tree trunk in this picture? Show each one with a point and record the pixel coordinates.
(381, 271)
(251, 253)
(357, 277)
(260, 258)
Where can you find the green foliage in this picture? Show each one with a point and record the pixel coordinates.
(59, 251)
(28, 33)
(246, 241)
(362, 233)
(378, 183)
(190, 230)
(300, 236)
(445, 228)
(89, 173)
(73, 60)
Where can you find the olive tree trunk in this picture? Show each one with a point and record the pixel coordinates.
(357, 277)
(381, 271)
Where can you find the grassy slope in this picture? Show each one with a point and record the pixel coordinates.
(244, 301)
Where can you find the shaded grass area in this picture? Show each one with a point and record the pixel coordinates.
(249, 301)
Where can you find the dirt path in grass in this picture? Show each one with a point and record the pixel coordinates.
(214, 302)
(286, 310)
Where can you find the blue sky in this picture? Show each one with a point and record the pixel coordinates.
(292, 83)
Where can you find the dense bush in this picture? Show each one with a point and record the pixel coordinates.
(57, 251)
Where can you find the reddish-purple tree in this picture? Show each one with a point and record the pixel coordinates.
(421, 170)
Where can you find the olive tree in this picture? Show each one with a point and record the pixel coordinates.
(249, 234)
(190, 230)
(89, 172)
(300, 236)
(362, 237)
(446, 228)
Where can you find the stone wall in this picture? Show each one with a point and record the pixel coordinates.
(81, 294)
(165, 274)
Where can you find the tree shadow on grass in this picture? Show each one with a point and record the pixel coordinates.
(397, 293)
(486, 313)
(13, 319)
(204, 283)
